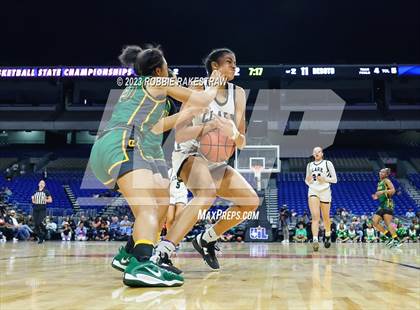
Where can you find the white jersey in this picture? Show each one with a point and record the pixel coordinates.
(223, 109)
(177, 190)
(323, 168)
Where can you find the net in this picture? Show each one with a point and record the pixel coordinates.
(257, 175)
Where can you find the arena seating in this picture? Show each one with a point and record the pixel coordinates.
(352, 192)
(343, 160)
(77, 164)
(20, 93)
(415, 179)
(416, 163)
(6, 162)
(23, 187)
(74, 180)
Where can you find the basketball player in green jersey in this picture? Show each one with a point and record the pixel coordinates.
(128, 156)
(384, 192)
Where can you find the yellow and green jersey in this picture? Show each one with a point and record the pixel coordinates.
(128, 142)
(385, 202)
(139, 110)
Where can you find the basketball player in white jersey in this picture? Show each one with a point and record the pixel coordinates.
(178, 194)
(206, 180)
(320, 174)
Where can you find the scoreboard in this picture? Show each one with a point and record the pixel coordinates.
(305, 71)
(246, 72)
(341, 71)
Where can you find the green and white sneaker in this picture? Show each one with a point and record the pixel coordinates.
(148, 274)
(121, 260)
(389, 241)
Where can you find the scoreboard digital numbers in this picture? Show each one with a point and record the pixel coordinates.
(341, 71)
(256, 71)
(242, 72)
(306, 71)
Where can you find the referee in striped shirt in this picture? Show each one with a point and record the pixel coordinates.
(40, 199)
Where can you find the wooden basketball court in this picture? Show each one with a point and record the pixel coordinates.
(75, 275)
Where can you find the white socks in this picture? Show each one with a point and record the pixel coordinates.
(315, 239)
(327, 234)
(210, 235)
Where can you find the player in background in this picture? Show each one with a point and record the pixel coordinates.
(178, 199)
(320, 174)
(384, 192)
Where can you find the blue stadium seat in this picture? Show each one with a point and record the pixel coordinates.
(352, 192)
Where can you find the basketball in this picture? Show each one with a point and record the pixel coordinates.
(216, 147)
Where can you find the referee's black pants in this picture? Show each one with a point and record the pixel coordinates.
(39, 214)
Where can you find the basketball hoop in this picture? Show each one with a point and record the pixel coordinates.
(257, 175)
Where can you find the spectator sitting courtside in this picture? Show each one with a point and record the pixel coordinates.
(20, 231)
(352, 234)
(84, 221)
(6, 229)
(410, 213)
(114, 228)
(87, 225)
(342, 234)
(103, 233)
(125, 228)
(66, 232)
(50, 227)
(370, 235)
(402, 232)
(358, 227)
(81, 232)
(300, 235)
(412, 234)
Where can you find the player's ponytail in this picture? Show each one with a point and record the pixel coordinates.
(129, 55)
(143, 61)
